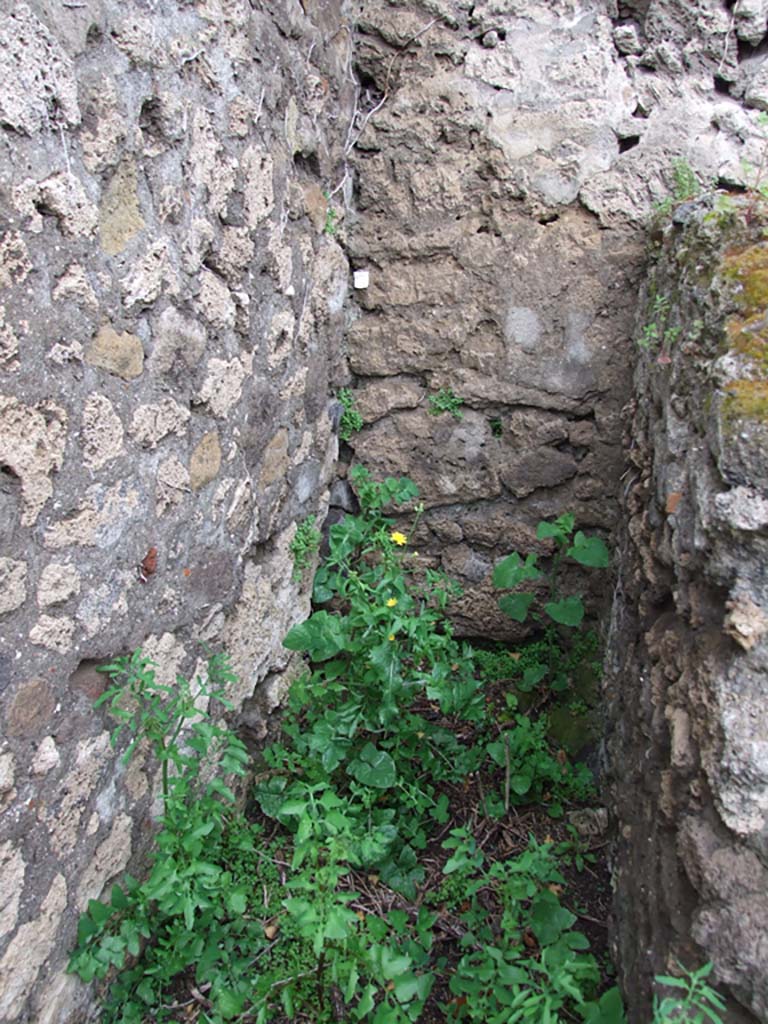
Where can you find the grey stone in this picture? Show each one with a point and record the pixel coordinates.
(627, 39)
(751, 18)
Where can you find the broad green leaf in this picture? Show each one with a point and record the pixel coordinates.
(373, 768)
(560, 529)
(99, 912)
(385, 658)
(549, 919)
(609, 1009)
(521, 783)
(516, 605)
(118, 899)
(568, 612)
(269, 794)
(365, 1005)
(321, 636)
(393, 963)
(589, 551)
(440, 812)
(532, 676)
(406, 987)
(237, 902)
(230, 1003)
(351, 986)
(513, 570)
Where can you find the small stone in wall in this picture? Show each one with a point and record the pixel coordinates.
(32, 443)
(101, 432)
(205, 463)
(275, 461)
(30, 708)
(63, 195)
(58, 582)
(53, 633)
(74, 286)
(223, 384)
(15, 264)
(121, 354)
(750, 17)
(172, 484)
(626, 40)
(102, 518)
(108, 860)
(257, 168)
(37, 77)
(46, 758)
(13, 584)
(9, 344)
(12, 869)
(143, 285)
(746, 621)
(120, 216)
(215, 301)
(28, 951)
(63, 816)
(151, 423)
(7, 773)
(176, 336)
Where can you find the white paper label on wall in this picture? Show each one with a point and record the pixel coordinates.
(361, 278)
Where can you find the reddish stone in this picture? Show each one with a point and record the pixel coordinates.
(30, 708)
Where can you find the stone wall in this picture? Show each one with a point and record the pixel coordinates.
(687, 687)
(171, 310)
(511, 158)
(175, 181)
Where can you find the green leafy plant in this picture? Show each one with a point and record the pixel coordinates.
(305, 543)
(694, 1001)
(560, 610)
(351, 421)
(446, 401)
(265, 920)
(497, 428)
(686, 184)
(590, 552)
(331, 217)
(150, 931)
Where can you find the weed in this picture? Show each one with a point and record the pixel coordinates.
(446, 401)
(305, 543)
(351, 420)
(178, 918)
(568, 611)
(695, 1001)
(331, 218)
(658, 334)
(685, 181)
(496, 427)
(389, 722)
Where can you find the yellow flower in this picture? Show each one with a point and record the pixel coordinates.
(391, 602)
(391, 636)
(399, 538)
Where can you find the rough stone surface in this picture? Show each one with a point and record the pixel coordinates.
(153, 260)
(172, 305)
(505, 175)
(29, 949)
(688, 652)
(13, 588)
